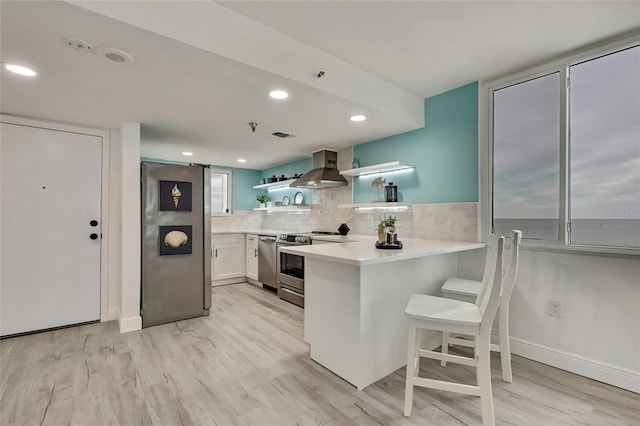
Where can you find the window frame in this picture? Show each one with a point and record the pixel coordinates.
(229, 174)
(485, 157)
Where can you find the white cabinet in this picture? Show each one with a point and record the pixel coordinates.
(252, 257)
(228, 252)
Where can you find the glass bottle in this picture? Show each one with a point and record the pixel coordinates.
(391, 193)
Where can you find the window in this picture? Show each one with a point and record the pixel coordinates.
(566, 156)
(526, 164)
(604, 123)
(220, 192)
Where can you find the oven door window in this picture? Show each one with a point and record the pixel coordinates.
(292, 265)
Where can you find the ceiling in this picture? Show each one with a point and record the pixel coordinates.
(202, 70)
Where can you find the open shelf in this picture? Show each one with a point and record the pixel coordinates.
(274, 185)
(376, 168)
(377, 206)
(292, 208)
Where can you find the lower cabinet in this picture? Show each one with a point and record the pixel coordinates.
(228, 265)
(252, 258)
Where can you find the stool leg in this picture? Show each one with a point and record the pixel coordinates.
(483, 372)
(413, 365)
(505, 348)
(445, 346)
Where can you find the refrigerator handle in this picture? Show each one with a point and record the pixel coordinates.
(216, 253)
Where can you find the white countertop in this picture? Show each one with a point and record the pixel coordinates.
(361, 250)
(274, 232)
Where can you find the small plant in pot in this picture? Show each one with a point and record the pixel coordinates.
(263, 199)
(387, 230)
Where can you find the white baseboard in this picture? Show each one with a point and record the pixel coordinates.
(254, 282)
(113, 314)
(130, 324)
(228, 281)
(597, 370)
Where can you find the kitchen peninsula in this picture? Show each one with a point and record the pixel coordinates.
(355, 296)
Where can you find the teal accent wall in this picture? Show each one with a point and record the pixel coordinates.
(289, 170)
(444, 153)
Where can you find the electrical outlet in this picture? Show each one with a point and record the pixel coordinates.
(555, 308)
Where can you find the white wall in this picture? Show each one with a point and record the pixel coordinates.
(598, 335)
(114, 269)
(130, 319)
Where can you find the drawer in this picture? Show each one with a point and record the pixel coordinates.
(227, 239)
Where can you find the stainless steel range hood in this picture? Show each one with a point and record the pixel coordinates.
(324, 174)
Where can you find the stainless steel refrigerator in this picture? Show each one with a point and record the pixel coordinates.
(176, 242)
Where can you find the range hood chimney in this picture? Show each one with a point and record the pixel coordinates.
(324, 174)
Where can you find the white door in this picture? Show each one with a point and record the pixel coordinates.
(50, 192)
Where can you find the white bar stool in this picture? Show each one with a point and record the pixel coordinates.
(468, 291)
(454, 316)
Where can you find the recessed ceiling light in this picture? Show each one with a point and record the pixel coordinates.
(278, 94)
(187, 153)
(19, 69)
(242, 160)
(114, 54)
(358, 117)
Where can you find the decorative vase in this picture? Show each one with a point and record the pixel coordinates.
(343, 229)
(382, 235)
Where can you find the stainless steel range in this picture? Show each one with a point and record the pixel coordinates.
(291, 269)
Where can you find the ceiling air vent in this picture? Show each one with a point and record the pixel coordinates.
(282, 135)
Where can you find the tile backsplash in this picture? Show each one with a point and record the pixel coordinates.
(439, 221)
(442, 221)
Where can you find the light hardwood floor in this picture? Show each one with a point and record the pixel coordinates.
(247, 364)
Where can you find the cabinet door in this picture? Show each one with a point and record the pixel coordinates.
(228, 261)
(252, 257)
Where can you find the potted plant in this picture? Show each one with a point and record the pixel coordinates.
(387, 230)
(263, 199)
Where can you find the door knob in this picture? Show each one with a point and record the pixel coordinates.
(93, 236)
(93, 223)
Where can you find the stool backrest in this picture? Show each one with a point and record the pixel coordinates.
(509, 280)
(489, 296)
